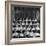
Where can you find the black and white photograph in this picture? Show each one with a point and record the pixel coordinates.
(25, 22)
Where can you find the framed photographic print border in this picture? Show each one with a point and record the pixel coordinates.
(8, 21)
